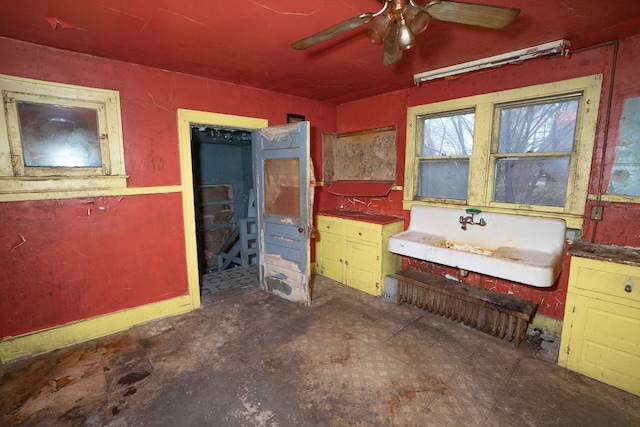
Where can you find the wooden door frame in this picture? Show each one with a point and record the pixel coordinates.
(185, 119)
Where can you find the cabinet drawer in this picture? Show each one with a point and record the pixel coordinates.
(616, 280)
(363, 232)
(330, 225)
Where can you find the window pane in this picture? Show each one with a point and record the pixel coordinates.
(537, 128)
(55, 136)
(532, 180)
(282, 186)
(446, 179)
(447, 135)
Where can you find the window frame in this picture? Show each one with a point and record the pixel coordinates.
(484, 155)
(17, 178)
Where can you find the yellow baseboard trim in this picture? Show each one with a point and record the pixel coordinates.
(46, 340)
(547, 324)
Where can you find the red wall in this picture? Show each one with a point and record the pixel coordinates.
(66, 260)
(58, 264)
(84, 257)
(616, 227)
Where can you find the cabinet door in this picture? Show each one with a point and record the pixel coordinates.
(330, 256)
(362, 267)
(604, 342)
(601, 331)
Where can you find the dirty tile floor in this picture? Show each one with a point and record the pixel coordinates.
(251, 359)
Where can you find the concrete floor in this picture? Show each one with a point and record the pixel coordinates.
(251, 359)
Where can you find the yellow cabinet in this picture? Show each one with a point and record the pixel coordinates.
(354, 252)
(330, 247)
(601, 328)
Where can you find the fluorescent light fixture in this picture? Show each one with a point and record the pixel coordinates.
(545, 49)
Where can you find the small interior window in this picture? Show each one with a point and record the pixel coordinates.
(51, 130)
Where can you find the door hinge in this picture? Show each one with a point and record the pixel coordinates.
(568, 350)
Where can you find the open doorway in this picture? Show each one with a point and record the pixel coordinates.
(193, 175)
(224, 197)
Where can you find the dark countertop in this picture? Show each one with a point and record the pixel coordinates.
(362, 216)
(609, 253)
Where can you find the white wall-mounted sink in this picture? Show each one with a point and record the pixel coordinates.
(519, 248)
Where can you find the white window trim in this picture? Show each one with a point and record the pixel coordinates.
(482, 162)
(109, 177)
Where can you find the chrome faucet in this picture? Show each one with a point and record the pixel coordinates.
(464, 220)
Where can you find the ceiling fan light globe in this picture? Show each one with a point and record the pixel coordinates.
(406, 39)
(379, 30)
(417, 18)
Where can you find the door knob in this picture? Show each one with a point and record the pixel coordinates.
(628, 286)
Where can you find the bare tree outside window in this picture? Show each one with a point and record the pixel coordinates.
(448, 135)
(447, 143)
(535, 143)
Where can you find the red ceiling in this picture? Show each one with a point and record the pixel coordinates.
(247, 42)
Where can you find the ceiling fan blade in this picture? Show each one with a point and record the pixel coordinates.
(472, 14)
(330, 32)
(392, 53)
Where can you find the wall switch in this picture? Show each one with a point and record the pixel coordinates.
(596, 212)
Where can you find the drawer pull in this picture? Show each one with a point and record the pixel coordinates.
(359, 233)
(628, 287)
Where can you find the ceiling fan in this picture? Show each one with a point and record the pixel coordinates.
(399, 21)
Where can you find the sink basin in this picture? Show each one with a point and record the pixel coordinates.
(519, 248)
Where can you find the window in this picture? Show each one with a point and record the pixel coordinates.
(535, 142)
(56, 137)
(524, 151)
(446, 146)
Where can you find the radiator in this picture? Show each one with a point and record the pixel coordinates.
(500, 315)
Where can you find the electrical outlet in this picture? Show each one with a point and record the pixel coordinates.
(596, 212)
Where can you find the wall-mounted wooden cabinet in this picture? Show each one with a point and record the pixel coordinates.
(354, 251)
(601, 329)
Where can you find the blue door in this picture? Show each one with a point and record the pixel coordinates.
(283, 201)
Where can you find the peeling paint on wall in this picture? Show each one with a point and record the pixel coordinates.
(625, 174)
